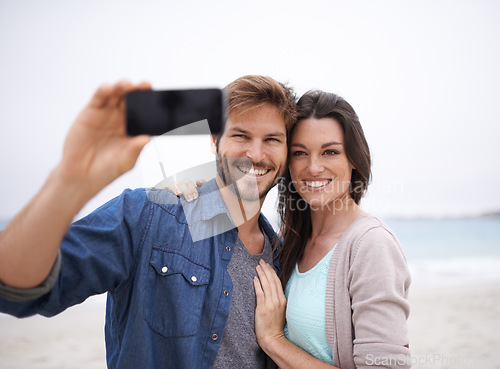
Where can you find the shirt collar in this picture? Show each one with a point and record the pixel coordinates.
(213, 205)
(212, 202)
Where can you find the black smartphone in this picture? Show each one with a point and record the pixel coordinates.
(157, 112)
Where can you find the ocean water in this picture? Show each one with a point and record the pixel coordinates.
(450, 252)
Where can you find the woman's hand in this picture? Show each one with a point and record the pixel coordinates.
(186, 188)
(271, 306)
(270, 320)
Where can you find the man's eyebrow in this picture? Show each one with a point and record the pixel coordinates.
(272, 134)
(322, 146)
(276, 134)
(237, 129)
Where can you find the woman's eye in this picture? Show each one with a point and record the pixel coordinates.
(298, 153)
(330, 152)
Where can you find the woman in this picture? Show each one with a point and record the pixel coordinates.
(345, 276)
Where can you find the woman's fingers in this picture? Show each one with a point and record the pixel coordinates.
(275, 282)
(270, 311)
(174, 187)
(259, 293)
(266, 288)
(188, 189)
(271, 285)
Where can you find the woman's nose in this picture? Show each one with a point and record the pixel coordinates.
(315, 166)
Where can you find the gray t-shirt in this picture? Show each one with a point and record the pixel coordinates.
(239, 348)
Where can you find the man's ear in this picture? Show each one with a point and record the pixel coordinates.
(213, 144)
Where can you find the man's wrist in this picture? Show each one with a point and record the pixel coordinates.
(74, 191)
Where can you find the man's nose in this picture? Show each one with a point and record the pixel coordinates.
(255, 151)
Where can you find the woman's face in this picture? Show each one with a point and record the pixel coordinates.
(319, 167)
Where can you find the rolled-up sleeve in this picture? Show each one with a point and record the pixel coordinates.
(26, 294)
(98, 254)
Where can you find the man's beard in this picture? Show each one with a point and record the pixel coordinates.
(240, 184)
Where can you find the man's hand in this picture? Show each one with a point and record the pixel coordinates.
(97, 149)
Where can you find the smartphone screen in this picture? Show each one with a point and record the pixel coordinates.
(157, 112)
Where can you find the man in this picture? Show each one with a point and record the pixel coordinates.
(174, 301)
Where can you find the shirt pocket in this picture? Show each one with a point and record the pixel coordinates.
(175, 293)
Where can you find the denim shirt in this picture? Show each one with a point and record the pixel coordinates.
(168, 296)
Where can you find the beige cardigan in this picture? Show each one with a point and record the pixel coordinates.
(366, 298)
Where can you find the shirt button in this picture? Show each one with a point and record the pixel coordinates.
(164, 269)
(226, 293)
(193, 278)
(228, 248)
(214, 337)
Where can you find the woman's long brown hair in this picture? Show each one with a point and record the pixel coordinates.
(296, 226)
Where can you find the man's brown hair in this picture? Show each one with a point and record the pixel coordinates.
(252, 91)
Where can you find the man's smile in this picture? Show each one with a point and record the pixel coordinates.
(252, 171)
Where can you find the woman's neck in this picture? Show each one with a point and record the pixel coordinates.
(334, 219)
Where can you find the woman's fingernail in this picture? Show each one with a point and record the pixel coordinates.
(189, 198)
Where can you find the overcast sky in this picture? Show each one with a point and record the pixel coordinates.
(423, 77)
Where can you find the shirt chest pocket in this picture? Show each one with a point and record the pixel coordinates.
(175, 293)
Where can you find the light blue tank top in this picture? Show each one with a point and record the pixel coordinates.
(305, 310)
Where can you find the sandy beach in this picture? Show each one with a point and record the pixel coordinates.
(73, 339)
(453, 327)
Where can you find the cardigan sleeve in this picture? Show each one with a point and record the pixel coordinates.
(378, 282)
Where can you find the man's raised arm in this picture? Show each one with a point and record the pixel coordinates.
(96, 152)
